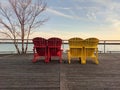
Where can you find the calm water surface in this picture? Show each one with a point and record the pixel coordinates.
(4, 48)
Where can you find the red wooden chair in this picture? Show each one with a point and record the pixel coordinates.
(54, 48)
(40, 48)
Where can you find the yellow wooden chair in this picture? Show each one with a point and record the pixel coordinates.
(75, 48)
(91, 49)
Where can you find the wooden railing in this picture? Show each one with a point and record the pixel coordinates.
(102, 43)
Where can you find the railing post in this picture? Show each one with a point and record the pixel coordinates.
(104, 46)
(63, 45)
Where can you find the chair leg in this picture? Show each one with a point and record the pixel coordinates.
(69, 59)
(34, 60)
(46, 59)
(83, 60)
(96, 61)
(50, 59)
(36, 56)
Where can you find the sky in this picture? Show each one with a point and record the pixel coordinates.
(81, 18)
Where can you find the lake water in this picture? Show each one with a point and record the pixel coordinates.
(9, 48)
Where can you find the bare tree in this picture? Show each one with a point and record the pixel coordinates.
(19, 18)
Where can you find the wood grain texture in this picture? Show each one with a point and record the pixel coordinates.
(19, 73)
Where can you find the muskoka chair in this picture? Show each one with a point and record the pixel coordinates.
(54, 48)
(91, 49)
(40, 48)
(75, 49)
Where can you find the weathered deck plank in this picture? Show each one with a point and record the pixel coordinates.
(19, 73)
(105, 76)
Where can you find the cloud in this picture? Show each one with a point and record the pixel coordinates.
(97, 8)
(59, 8)
(72, 14)
(55, 12)
(97, 11)
(114, 23)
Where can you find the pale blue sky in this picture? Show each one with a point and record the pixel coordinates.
(81, 18)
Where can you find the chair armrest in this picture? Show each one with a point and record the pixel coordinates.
(61, 49)
(67, 51)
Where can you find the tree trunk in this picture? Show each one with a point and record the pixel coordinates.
(22, 38)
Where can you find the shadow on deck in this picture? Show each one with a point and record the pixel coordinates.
(19, 73)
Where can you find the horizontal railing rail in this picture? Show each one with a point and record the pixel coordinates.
(103, 43)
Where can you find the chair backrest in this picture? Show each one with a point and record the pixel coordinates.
(91, 45)
(40, 44)
(54, 45)
(54, 42)
(91, 42)
(75, 46)
(75, 42)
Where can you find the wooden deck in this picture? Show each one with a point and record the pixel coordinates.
(19, 73)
